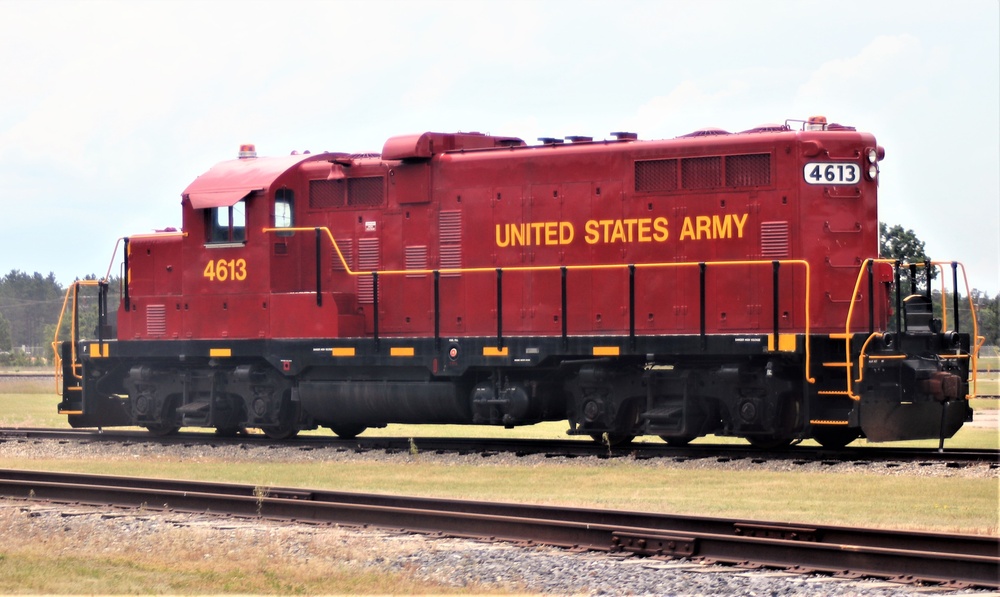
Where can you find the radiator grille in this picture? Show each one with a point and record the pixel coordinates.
(748, 170)
(156, 320)
(325, 194)
(656, 175)
(752, 170)
(364, 192)
(701, 173)
(774, 239)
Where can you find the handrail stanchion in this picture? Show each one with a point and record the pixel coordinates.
(899, 304)
(375, 309)
(499, 308)
(954, 293)
(319, 270)
(631, 305)
(871, 297)
(437, 309)
(125, 248)
(564, 307)
(775, 265)
(927, 273)
(701, 300)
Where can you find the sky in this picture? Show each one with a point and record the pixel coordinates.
(108, 110)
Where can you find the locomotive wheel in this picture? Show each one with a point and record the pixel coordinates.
(769, 442)
(676, 442)
(835, 438)
(280, 432)
(162, 429)
(347, 431)
(612, 439)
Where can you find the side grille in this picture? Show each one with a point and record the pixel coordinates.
(774, 239)
(347, 248)
(368, 260)
(325, 194)
(701, 173)
(357, 192)
(656, 175)
(365, 192)
(450, 240)
(752, 170)
(737, 171)
(416, 258)
(156, 320)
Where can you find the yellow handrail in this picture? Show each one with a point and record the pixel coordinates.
(862, 355)
(73, 291)
(536, 268)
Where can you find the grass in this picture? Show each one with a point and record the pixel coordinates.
(67, 562)
(194, 561)
(860, 498)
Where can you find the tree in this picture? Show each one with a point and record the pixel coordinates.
(30, 304)
(5, 342)
(903, 244)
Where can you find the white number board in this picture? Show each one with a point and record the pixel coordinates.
(832, 173)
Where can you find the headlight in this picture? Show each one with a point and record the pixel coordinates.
(872, 155)
(872, 171)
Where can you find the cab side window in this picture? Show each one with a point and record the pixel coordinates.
(283, 208)
(227, 224)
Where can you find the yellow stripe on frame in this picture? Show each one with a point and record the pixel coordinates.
(607, 351)
(821, 422)
(343, 351)
(98, 350)
(493, 351)
(401, 351)
(220, 352)
(786, 342)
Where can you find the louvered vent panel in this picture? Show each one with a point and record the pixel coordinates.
(701, 173)
(774, 239)
(748, 170)
(416, 258)
(368, 260)
(450, 240)
(365, 192)
(324, 194)
(156, 320)
(450, 227)
(347, 248)
(656, 175)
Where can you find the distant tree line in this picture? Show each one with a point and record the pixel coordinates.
(30, 305)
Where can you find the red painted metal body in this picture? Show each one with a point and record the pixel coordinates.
(715, 283)
(473, 202)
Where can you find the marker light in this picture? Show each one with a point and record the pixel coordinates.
(816, 123)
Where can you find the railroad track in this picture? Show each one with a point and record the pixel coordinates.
(915, 557)
(559, 448)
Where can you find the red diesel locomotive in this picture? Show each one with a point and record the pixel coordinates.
(715, 283)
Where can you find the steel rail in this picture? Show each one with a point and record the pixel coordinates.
(554, 448)
(959, 560)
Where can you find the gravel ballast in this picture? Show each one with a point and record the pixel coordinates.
(451, 562)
